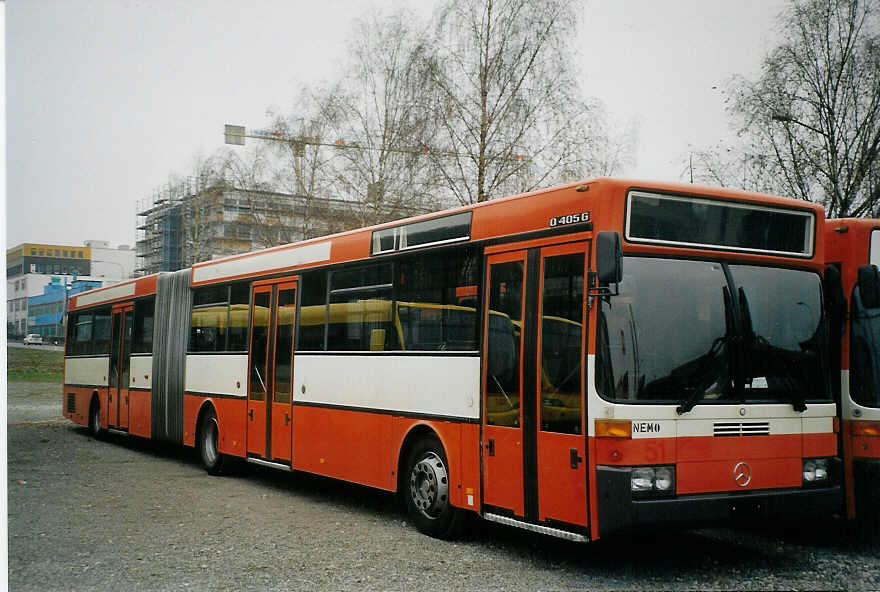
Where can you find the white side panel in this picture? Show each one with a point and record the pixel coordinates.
(217, 374)
(279, 258)
(818, 425)
(105, 295)
(852, 411)
(429, 385)
(141, 372)
(86, 371)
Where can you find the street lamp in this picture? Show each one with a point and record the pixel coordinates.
(121, 267)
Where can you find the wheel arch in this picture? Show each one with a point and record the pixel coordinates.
(95, 399)
(206, 407)
(416, 433)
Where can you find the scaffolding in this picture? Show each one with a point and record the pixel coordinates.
(196, 220)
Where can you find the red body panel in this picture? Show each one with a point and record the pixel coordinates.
(461, 442)
(282, 416)
(82, 398)
(710, 448)
(503, 470)
(256, 428)
(562, 489)
(231, 415)
(140, 413)
(705, 463)
(119, 409)
(817, 445)
(711, 476)
(865, 447)
(624, 451)
(350, 445)
(144, 286)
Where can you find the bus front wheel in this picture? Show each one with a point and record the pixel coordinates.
(209, 436)
(426, 490)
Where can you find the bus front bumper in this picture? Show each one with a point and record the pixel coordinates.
(620, 511)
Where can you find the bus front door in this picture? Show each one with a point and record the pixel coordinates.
(270, 411)
(120, 366)
(534, 443)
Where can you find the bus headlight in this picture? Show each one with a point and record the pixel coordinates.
(663, 479)
(815, 470)
(644, 480)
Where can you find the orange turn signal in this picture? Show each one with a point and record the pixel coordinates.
(613, 428)
(866, 428)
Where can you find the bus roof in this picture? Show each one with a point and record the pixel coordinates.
(527, 214)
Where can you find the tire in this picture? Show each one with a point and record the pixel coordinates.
(209, 437)
(95, 420)
(426, 491)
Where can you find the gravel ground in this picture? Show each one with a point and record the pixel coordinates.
(122, 513)
(32, 402)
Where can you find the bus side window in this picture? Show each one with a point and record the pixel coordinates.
(142, 334)
(436, 300)
(313, 311)
(239, 305)
(101, 332)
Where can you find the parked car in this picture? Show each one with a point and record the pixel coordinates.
(33, 339)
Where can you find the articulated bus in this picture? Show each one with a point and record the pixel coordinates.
(852, 246)
(577, 361)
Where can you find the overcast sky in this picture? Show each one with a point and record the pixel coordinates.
(106, 99)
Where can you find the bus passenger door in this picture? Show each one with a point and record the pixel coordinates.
(120, 365)
(284, 316)
(561, 425)
(502, 383)
(258, 378)
(534, 442)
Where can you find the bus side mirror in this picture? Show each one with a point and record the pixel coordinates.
(835, 305)
(609, 258)
(869, 286)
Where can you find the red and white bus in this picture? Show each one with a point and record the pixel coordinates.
(853, 247)
(574, 361)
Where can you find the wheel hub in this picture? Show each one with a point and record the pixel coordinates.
(429, 485)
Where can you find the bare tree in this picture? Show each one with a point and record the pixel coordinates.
(813, 116)
(383, 121)
(732, 165)
(305, 164)
(508, 108)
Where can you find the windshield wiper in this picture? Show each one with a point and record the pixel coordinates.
(699, 391)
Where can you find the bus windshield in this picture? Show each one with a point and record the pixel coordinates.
(692, 332)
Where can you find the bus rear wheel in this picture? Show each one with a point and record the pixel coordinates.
(209, 437)
(426, 490)
(95, 419)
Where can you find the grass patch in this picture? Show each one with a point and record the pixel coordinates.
(34, 364)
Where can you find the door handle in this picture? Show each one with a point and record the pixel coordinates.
(251, 414)
(490, 446)
(286, 418)
(574, 458)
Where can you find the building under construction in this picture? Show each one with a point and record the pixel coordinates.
(187, 222)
